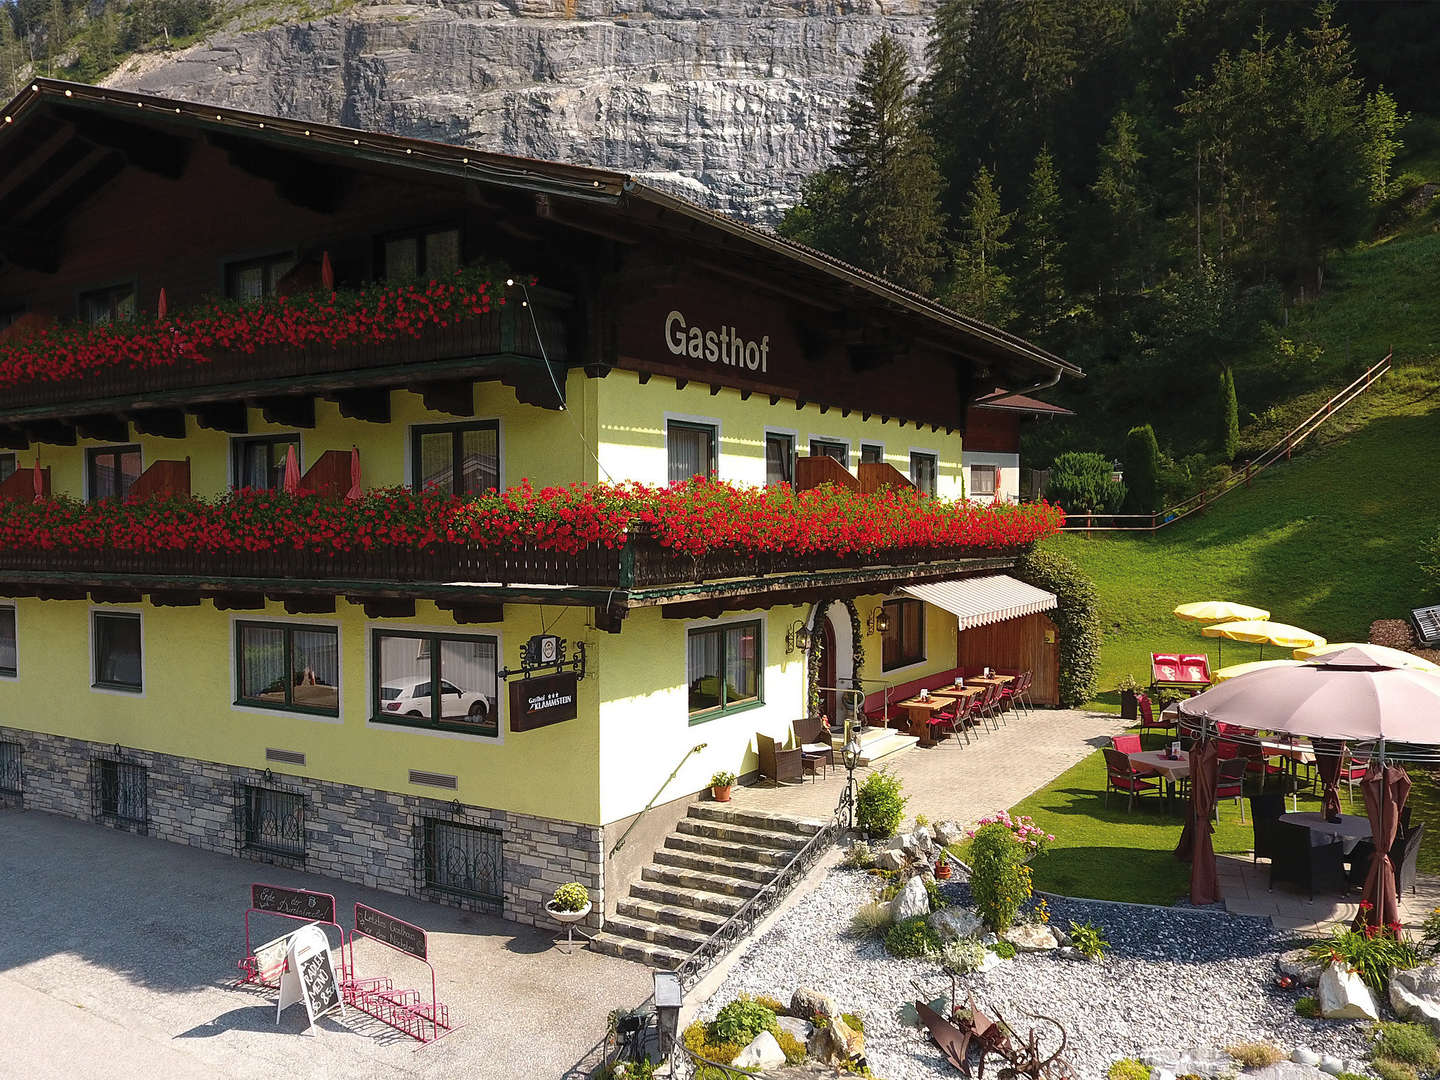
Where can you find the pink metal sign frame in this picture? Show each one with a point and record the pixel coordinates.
(402, 1010)
(250, 972)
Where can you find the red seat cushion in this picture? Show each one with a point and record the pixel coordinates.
(1126, 744)
(1131, 783)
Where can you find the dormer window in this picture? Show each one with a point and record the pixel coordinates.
(425, 253)
(115, 303)
(255, 279)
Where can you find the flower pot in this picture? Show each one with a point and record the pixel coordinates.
(1129, 705)
(720, 794)
(942, 869)
(566, 917)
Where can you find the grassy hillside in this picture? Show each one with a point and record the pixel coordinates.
(1328, 541)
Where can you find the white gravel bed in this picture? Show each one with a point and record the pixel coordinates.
(1175, 979)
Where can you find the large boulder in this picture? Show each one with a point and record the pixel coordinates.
(918, 844)
(1301, 966)
(1343, 995)
(1031, 937)
(947, 833)
(763, 1052)
(913, 901)
(797, 1028)
(890, 859)
(836, 1044)
(955, 922)
(808, 1004)
(1415, 994)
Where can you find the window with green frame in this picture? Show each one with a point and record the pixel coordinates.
(294, 667)
(903, 641)
(436, 680)
(723, 669)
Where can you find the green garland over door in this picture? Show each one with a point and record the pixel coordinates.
(816, 660)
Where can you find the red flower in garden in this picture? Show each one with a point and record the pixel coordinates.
(1366, 905)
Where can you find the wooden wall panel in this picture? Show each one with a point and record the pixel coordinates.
(1019, 644)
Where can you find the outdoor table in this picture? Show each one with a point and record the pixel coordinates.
(1170, 770)
(992, 680)
(958, 691)
(1294, 754)
(920, 712)
(1349, 827)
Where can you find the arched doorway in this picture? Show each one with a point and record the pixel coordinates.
(834, 657)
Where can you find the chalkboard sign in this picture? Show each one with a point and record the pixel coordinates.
(301, 903)
(394, 932)
(317, 976)
(309, 975)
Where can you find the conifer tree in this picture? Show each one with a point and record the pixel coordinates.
(1041, 251)
(1142, 470)
(1121, 191)
(1229, 416)
(980, 286)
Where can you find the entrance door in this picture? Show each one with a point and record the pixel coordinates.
(827, 669)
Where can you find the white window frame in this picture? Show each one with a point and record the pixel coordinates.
(502, 696)
(870, 442)
(260, 616)
(994, 493)
(411, 464)
(102, 447)
(255, 436)
(710, 624)
(849, 447)
(14, 607)
(688, 418)
(125, 609)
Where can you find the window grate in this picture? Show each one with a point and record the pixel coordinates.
(271, 820)
(119, 791)
(12, 768)
(463, 860)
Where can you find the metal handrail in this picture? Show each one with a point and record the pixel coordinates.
(673, 772)
(860, 699)
(888, 684)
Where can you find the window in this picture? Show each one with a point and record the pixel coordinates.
(437, 680)
(7, 467)
(272, 820)
(428, 253)
(825, 448)
(116, 639)
(111, 471)
(281, 666)
(119, 789)
(9, 644)
(871, 453)
(723, 668)
(464, 860)
(462, 459)
(922, 472)
(982, 479)
(690, 449)
(779, 459)
(110, 305)
(904, 642)
(260, 463)
(254, 279)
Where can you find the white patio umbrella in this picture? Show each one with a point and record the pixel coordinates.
(1383, 654)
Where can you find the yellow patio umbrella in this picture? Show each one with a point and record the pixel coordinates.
(1261, 632)
(1219, 611)
(1380, 653)
(1234, 671)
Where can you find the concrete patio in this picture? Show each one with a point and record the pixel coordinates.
(1244, 885)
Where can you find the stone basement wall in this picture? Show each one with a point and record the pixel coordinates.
(358, 835)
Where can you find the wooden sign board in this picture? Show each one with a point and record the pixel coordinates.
(397, 933)
(299, 903)
(309, 975)
(543, 700)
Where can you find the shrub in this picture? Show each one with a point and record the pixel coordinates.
(1088, 940)
(1371, 956)
(962, 956)
(701, 1043)
(999, 878)
(1129, 1069)
(1255, 1055)
(779, 1008)
(1142, 470)
(910, 939)
(858, 856)
(1035, 840)
(1430, 932)
(1386, 1069)
(1413, 1044)
(1080, 482)
(722, 779)
(570, 897)
(880, 804)
(938, 899)
(1229, 441)
(792, 1047)
(1077, 619)
(741, 1020)
(1308, 1007)
(1005, 950)
(871, 920)
(921, 819)
(853, 1022)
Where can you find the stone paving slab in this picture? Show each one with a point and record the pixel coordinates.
(1244, 885)
(121, 949)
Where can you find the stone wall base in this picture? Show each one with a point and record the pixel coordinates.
(359, 835)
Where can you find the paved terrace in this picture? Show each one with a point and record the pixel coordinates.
(118, 952)
(1244, 888)
(963, 783)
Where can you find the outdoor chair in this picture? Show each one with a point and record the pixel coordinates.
(778, 763)
(1130, 744)
(1352, 771)
(1265, 811)
(1404, 854)
(813, 737)
(1297, 861)
(1260, 763)
(1230, 784)
(1121, 776)
(989, 706)
(1012, 693)
(943, 721)
(966, 714)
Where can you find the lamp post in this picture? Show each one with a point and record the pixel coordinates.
(669, 997)
(850, 755)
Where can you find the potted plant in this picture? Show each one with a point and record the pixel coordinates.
(720, 785)
(569, 903)
(1128, 688)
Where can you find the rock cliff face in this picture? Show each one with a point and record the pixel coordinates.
(729, 102)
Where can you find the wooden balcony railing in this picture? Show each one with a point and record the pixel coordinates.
(20, 485)
(813, 471)
(875, 475)
(162, 478)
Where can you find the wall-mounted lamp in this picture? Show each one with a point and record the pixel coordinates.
(879, 622)
(797, 637)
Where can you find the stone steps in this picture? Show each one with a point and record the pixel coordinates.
(718, 857)
(885, 746)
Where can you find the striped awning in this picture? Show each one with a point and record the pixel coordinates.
(980, 601)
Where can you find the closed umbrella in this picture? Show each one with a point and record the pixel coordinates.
(1262, 632)
(292, 471)
(1234, 671)
(1395, 658)
(37, 480)
(355, 491)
